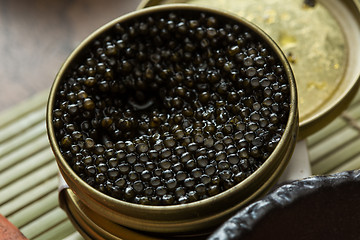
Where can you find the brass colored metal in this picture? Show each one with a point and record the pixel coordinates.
(320, 43)
(191, 217)
(93, 226)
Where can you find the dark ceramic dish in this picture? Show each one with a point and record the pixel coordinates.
(320, 207)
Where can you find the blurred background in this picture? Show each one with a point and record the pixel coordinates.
(36, 37)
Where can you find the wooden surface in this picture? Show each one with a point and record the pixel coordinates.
(36, 37)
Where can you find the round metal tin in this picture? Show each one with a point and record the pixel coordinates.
(321, 41)
(190, 218)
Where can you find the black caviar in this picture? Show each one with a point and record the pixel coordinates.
(171, 108)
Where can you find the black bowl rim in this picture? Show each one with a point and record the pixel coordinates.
(282, 196)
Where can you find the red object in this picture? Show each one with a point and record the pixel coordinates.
(8, 231)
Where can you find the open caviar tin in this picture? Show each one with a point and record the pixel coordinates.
(321, 41)
(85, 204)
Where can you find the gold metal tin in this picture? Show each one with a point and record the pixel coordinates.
(93, 226)
(191, 217)
(321, 43)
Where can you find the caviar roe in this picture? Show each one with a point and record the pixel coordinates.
(171, 108)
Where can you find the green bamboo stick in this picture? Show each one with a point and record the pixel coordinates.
(354, 112)
(12, 114)
(30, 196)
(28, 135)
(60, 231)
(352, 164)
(25, 167)
(34, 210)
(29, 181)
(337, 158)
(22, 124)
(43, 223)
(74, 236)
(25, 151)
(337, 125)
(332, 143)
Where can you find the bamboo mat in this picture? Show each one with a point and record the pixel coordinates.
(28, 172)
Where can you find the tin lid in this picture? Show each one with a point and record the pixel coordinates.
(320, 40)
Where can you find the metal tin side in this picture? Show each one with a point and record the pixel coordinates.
(93, 226)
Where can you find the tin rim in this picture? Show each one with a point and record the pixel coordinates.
(158, 218)
(347, 14)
